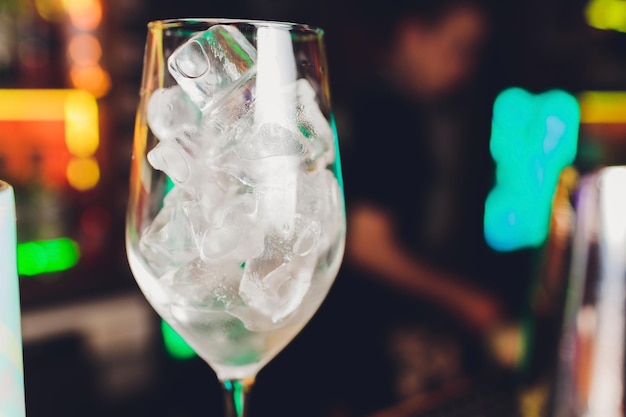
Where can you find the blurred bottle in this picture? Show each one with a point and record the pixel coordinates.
(589, 379)
(11, 357)
(531, 347)
(8, 39)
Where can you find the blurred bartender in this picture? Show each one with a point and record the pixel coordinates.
(413, 324)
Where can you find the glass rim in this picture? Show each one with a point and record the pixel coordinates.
(178, 22)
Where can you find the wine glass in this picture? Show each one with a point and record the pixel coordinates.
(236, 219)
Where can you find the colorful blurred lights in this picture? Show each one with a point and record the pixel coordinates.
(174, 344)
(83, 173)
(602, 107)
(77, 109)
(81, 115)
(607, 14)
(84, 14)
(45, 256)
(83, 49)
(91, 78)
(533, 138)
(51, 10)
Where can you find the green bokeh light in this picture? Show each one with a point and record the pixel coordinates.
(45, 256)
(533, 138)
(175, 345)
(237, 390)
(337, 170)
(169, 185)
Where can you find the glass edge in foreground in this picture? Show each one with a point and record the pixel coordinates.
(178, 22)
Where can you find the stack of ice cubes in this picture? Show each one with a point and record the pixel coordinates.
(254, 205)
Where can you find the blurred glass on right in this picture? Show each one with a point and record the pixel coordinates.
(589, 378)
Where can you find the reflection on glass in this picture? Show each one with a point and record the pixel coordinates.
(590, 375)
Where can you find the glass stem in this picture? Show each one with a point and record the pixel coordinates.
(237, 392)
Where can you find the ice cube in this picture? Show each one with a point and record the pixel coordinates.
(270, 182)
(168, 243)
(199, 218)
(170, 111)
(220, 240)
(320, 200)
(223, 223)
(307, 234)
(211, 63)
(269, 140)
(278, 293)
(186, 159)
(235, 112)
(171, 159)
(314, 126)
(252, 243)
(239, 196)
(252, 319)
(207, 286)
(220, 192)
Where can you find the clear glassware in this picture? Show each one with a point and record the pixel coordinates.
(236, 219)
(589, 378)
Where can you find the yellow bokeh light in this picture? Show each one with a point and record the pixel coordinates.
(84, 49)
(84, 14)
(595, 13)
(83, 173)
(81, 116)
(615, 14)
(602, 107)
(26, 104)
(606, 14)
(91, 78)
(51, 10)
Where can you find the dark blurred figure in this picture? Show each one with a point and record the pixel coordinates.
(424, 54)
(411, 324)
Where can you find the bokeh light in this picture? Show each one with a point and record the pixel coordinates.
(91, 78)
(45, 256)
(174, 344)
(51, 10)
(84, 49)
(533, 138)
(84, 14)
(83, 173)
(607, 14)
(81, 121)
(602, 106)
(64, 123)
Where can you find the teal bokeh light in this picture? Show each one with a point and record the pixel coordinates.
(533, 137)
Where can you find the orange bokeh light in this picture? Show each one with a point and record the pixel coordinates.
(84, 14)
(91, 78)
(84, 49)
